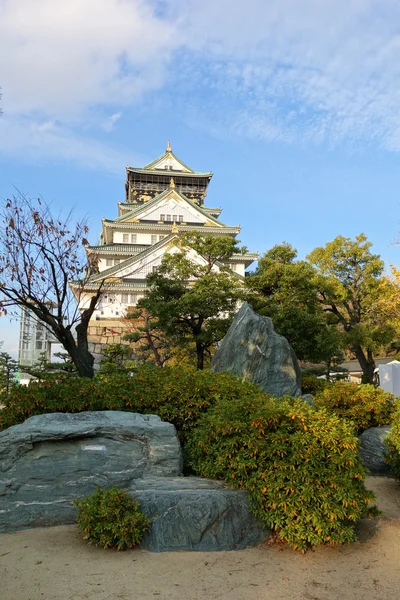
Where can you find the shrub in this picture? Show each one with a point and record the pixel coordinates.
(178, 395)
(111, 519)
(299, 464)
(310, 384)
(393, 445)
(365, 405)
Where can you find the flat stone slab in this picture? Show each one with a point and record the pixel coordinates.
(52, 459)
(190, 513)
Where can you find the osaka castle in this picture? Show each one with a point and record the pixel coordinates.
(162, 199)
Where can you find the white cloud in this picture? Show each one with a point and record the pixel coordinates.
(288, 70)
(61, 58)
(37, 141)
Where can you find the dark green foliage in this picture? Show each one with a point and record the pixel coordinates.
(187, 299)
(311, 384)
(8, 369)
(116, 359)
(299, 465)
(111, 519)
(393, 444)
(285, 289)
(364, 405)
(177, 394)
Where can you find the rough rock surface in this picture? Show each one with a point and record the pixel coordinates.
(309, 399)
(372, 449)
(49, 460)
(189, 513)
(252, 349)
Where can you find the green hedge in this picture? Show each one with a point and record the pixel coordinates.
(176, 394)
(299, 464)
(365, 405)
(393, 445)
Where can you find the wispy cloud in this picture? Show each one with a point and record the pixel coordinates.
(289, 70)
(37, 141)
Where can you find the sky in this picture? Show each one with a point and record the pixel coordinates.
(293, 104)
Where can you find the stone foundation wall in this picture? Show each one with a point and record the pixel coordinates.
(102, 333)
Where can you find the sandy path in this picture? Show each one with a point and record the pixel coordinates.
(55, 563)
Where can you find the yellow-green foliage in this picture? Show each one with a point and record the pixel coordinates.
(178, 395)
(299, 464)
(365, 405)
(111, 519)
(393, 445)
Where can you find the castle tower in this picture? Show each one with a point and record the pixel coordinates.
(162, 199)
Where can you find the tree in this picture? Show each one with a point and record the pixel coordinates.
(44, 369)
(116, 359)
(194, 301)
(151, 343)
(39, 256)
(284, 289)
(350, 288)
(8, 369)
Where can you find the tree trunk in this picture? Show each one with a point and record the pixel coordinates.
(200, 355)
(367, 363)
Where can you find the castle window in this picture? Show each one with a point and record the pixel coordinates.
(162, 217)
(134, 298)
(161, 237)
(125, 238)
(154, 268)
(153, 239)
(133, 238)
(168, 217)
(109, 262)
(180, 218)
(39, 345)
(125, 298)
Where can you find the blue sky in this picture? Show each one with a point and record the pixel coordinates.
(293, 104)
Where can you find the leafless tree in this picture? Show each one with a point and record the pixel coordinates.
(40, 256)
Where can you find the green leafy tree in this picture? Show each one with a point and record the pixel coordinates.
(151, 343)
(116, 359)
(8, 369)
(191, 301)
(44, 369)
(284, 288)
(351, 286)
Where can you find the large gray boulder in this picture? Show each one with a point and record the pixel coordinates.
(372, 450)
(253, 350)
(49, 460)
(189, 513)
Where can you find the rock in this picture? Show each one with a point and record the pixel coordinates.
(189, 513)
(372, 450)
(253, 350)
(308, 398)
(49, 460)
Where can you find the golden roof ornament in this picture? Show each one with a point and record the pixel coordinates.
(172, 183)
(169, 147)
(174, 228)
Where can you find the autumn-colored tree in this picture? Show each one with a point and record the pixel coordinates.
(39, 256)
(353, 291)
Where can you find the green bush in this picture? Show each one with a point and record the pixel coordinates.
(176, 394)
(311, 384)
(393, 445)
(299, 464)
(365, 405)
(111, 519)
